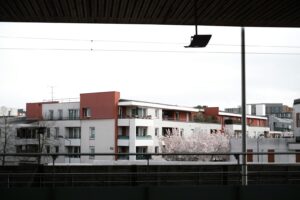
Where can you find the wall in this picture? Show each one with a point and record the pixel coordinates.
(59, 106)
(103, 105)
(264, 144)
(104, 141)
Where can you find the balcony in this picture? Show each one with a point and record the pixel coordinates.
(123, 140)
(72, 142)
(137, 122)
(144, 140)
(61, 118)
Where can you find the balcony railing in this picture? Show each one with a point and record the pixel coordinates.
(146, 137)
(123, 137)
(61, 118)
(135, 116)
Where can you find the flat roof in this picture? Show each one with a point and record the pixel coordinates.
(127, 102)
(253, 13)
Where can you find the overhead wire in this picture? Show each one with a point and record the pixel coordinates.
(143, 42)
(143, 51)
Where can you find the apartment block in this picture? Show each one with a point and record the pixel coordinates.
(104, 123)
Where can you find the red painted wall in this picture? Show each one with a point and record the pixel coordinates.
(211, 111)
(103, 105)
(34, 110)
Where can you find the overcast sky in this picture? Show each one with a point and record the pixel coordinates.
(146, 62)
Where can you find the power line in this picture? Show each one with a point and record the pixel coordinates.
(147, 51)
(142, 42)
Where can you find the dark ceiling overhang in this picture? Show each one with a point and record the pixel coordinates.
(254, 13)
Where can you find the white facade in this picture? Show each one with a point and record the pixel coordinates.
(264, 145)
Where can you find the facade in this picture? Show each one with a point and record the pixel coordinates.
(231, 123)
(103, 123)
(264, 109)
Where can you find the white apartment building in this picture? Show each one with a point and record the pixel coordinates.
(104, 123)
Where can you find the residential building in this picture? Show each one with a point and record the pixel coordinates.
(103, 123)
(231, 123)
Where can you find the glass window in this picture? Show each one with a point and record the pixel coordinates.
(73, 114)
(92, 133)
(50, 114)
(92, 150)
(60, 114)
(156, 149)
(86, 112)
(156, 131)
(56, 132)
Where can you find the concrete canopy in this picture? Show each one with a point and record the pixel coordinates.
(251, 13)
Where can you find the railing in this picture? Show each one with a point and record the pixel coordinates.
(61, 118)
(146, 172)
(123, 137)
(146, 137)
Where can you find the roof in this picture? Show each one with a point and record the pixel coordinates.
(255, 13)
(127, 102)
(239, 115)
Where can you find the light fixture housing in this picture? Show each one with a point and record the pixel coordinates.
(199, 41)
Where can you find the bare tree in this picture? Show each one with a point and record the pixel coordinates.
(197, 142)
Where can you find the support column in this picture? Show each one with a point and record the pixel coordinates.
(244, 120)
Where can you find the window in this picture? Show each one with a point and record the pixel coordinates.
(92, 133)
(156, 113)
(86, 112)
(156, 149)
(92, 150)
(250, 155)
(56, 149)
(73, 114)
(50, 114)
(56, 132)
(141, 131)
(60, 114)
(176, 115)
(74, 149)
(181, 132)
(48, 133)
(156, 131)
(271, 155)
(74, 133)
(47, 149)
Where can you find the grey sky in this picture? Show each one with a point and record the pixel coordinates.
(146, 62)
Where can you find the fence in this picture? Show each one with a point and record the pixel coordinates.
(145, 173)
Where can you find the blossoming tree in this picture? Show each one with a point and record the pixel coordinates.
(197, 142)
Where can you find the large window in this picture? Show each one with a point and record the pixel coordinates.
(141, 131)
(139, 112)
(74, 149)
(74, 133)
(298, 119)
(73, 114)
